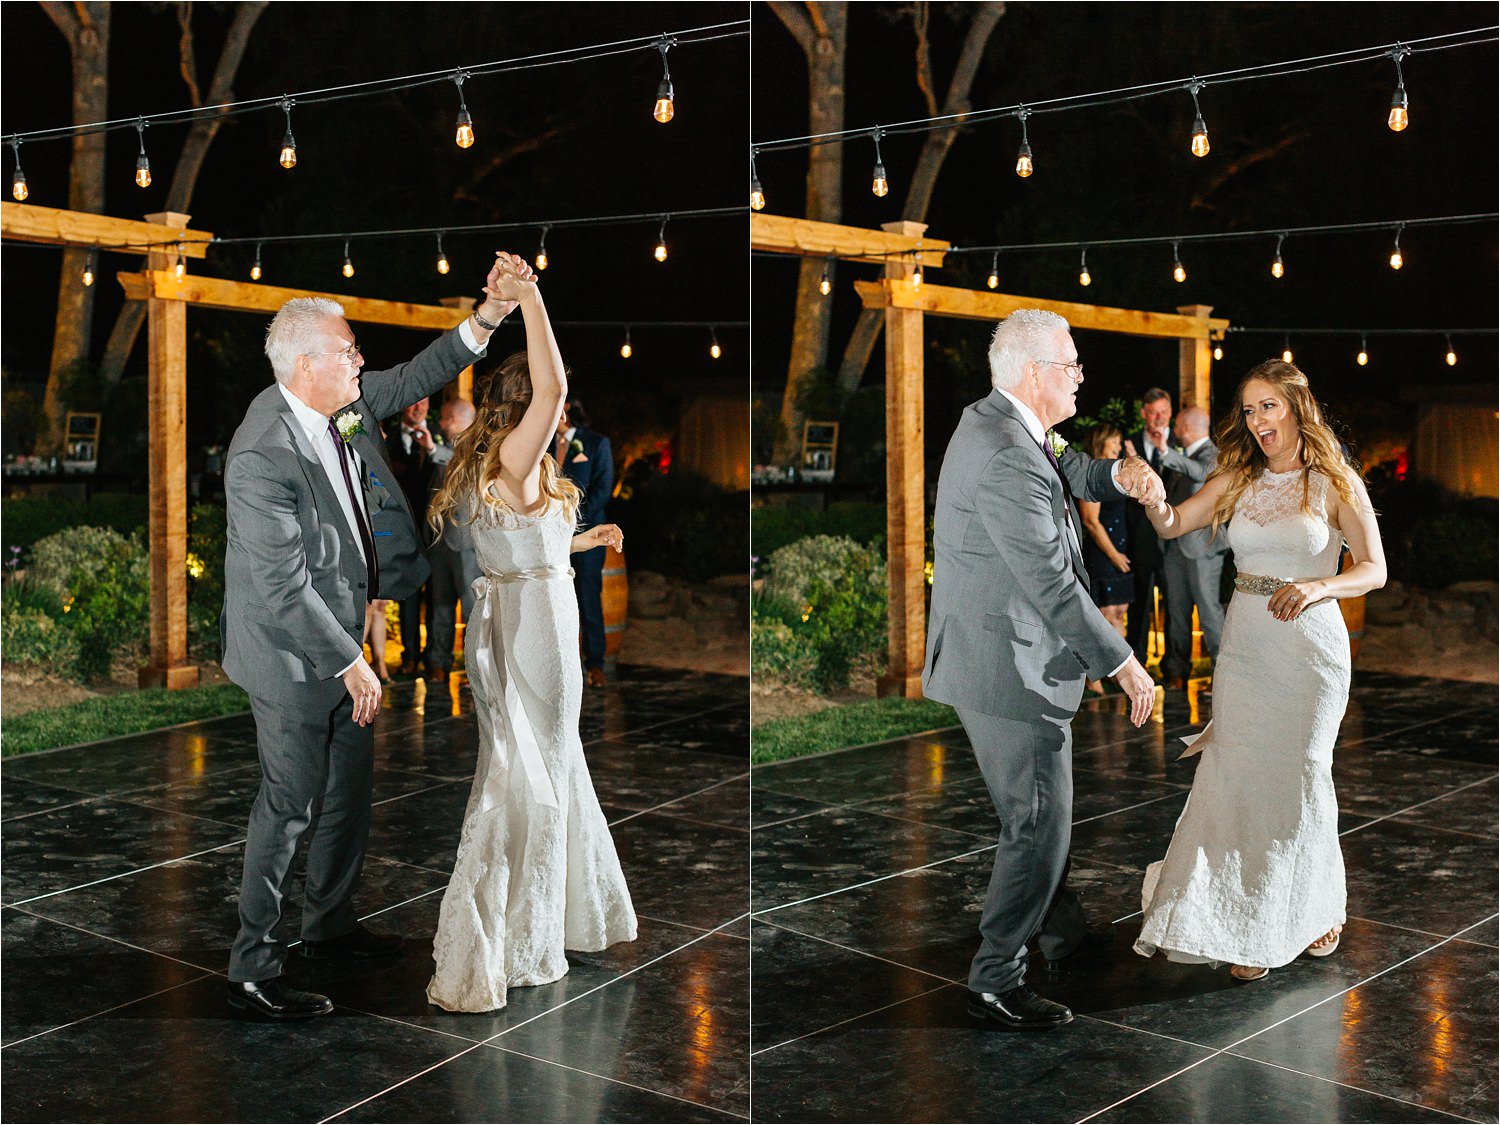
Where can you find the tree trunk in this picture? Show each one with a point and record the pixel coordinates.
(935, 150)
(86, 28)
(821, 30)
(132, 314)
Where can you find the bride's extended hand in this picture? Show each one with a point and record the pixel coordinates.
(1289, 601)
(600, 535)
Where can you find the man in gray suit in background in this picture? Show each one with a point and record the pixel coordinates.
(1192, 563)
(299, 567)
(1013, 635)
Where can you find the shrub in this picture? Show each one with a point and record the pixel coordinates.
(827, 593)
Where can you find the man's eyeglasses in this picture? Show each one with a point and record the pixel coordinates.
(1074, 370)
(348, 355)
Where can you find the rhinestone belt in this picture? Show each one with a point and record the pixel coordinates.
(1259, 584)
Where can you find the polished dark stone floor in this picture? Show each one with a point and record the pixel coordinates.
(869, 865)
(121, 870)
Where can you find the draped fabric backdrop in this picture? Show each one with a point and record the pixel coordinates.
(1457, 447)
(713, 439)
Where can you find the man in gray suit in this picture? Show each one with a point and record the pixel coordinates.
(298, 569)
(1013, 635)
(1193, 563)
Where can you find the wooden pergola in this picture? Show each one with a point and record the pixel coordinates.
(167, 299)
(900, 246)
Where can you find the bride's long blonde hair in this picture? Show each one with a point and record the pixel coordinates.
(476, 453)
(1241, 457)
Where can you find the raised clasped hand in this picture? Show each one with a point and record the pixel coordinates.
(510, 279)
(1289, 601)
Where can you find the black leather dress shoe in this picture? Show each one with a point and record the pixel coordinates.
(1094, 939)
(357, 943)
(276, 1000)
(1019, 1009)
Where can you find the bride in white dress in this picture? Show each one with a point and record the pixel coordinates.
(1253, 875)
(536, 871)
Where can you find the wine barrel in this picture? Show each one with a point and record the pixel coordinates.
(1353, 610)
(616, 599)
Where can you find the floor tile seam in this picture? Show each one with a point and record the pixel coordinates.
(846, 749)
(872, 882)
(851, 1019)
(792, 929)
(105, 1011)
(127, 874)
(1146, 1089)
(1418, 805)
(613, 1081)
(1347, 1085)
(121, 941)
(397, 1085)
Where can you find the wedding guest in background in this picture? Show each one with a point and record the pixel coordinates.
(587, 460)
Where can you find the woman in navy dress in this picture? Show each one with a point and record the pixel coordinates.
(1105, 546)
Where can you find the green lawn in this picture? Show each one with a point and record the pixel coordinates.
(853, 725)
(111, 716)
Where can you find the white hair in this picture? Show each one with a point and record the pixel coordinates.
(295, 330)
(1023, 335)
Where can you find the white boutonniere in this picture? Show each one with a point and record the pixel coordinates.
(576, 448)
(1058, 445)
(350, 424)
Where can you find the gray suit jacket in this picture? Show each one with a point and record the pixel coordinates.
(1012, 630)
(1188, 475)
(294, 580)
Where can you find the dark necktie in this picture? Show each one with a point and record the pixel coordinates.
(372, 568)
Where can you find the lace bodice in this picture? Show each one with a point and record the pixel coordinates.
(1272, 535)
(506, 541)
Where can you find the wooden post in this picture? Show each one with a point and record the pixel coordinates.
(1194, 363)
(905, 487)
(166, 415)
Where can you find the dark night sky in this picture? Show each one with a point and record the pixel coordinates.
(1126, 171)
(390, 161)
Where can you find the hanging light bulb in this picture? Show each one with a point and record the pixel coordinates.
(18, 189)
(1024, 167)
(1452, 356)
(665, 107)
(879, 184)
(442, 259)
(1286, 350)
(625, 348)
(1398, 119)
(89, 264)
(142, 163)
(1218, 351)
(993, 281)
(255, 269)
(1397, 261)
(825, 286)
(288, 142)
(1363, 358)
(1200, 130)
(661, 243)
(1278, 268)
(1083, 268)
(463, 135)
(713, 344)
(541, 248)
(757, 195)
(348, 262)
(1179, 274)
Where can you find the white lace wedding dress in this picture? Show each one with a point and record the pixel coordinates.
(536, 871)
(1254, 875)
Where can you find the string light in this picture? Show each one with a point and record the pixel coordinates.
(661, 242)
(463, 135)
(1278, 268)
(1179, 274)
(1363, 358)
(442, 259)
(18, 189)
(142, 163)
(879, 185)
(1398, 119)
(993, 281)
(665, 107)
(1083, 268)
(713, 343)
(757, 195)
(1452, 356)
(541, 248)
(1024, 167)
(825, 286)
(1397, 261)
(1200, 130)
(255, 269)
(348, 262)
(89, 264)
(1286, 350)
(625, 348)
(288, 142)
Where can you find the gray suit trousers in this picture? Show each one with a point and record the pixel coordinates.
(1028, 769)
(1191, 582)
(316, 777)
(453, 574)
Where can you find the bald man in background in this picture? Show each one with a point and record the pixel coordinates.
(1193, 563)
(454, 565)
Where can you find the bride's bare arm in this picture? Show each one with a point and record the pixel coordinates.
(1197, 511)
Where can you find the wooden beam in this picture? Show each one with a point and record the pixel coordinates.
(973, 304)
(25, 222)
(785, 235)
(1194, 364)
(247, 296)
